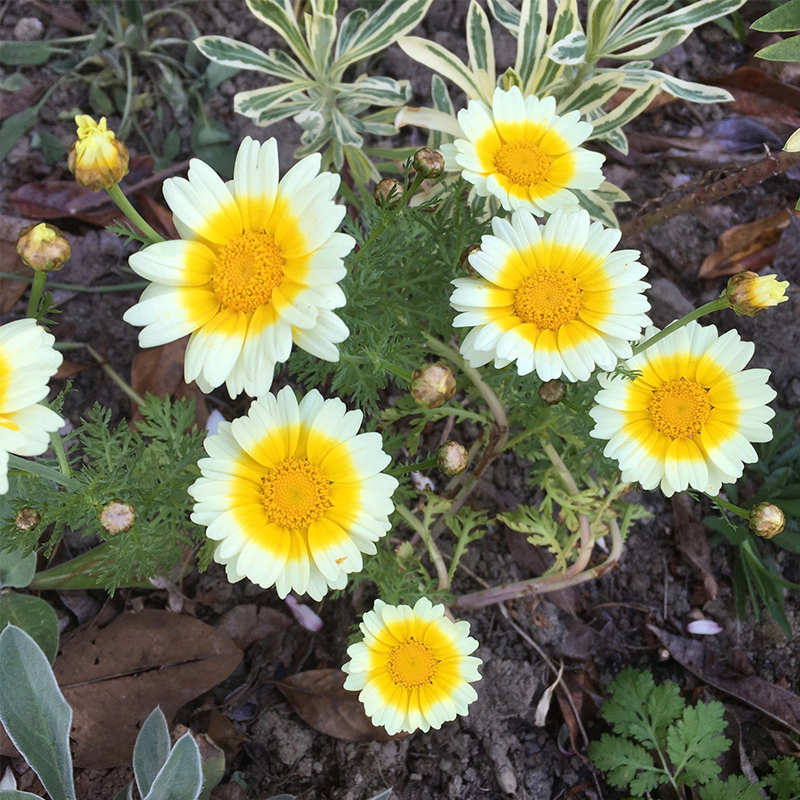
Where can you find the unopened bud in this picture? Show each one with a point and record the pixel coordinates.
(117, 517)
(43, 247)
(27, 519)
(97, 159)
(552, 392)
(749, 294)
(429, 163)
(766, 520)
(433, 384)
(452, 458)
(388, 192)
(463, 260)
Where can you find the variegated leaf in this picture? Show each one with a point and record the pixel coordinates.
(441, 60)
(325, 6)
(597, 207)
(378, 91)
(639, 13)
(281, 111)
(231, 53)
(600, 19)
(480, 47)
(629, 108)
(429, 118)
(657, 46)
(279, 15)
(565, 22)
(531, 39)
(570, 50)
(685, 90)
(392, 20)
(505, 14)
(252, 103)
(611, 193)
(361, 168)
(617, 139)
(594, 93)
(442, 101)
(321, 34)
(344, 131)
(381, 123)
(348, 30)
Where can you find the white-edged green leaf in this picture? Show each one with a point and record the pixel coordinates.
(34, 713)
(611, 193)
(343, 130)
(787, 50)
(657, 46)
(361, 168)
(181, 777)
(570, 50)
(279, 15)
(784, 18)
(639, 13)
(429, 118)
(231, 53)
(349, 30)
(617, 139)
(685, 90)
(443, 102)
(629, 108)
(600, 18)
(378, 91)
(480, 47)
(34, 616)
(381, 123)
(593, 93)
(441, 60)
(321, 34)
(325, 6)
(151, 750)
(597, 207)
(531, 39)
(565, 22)
(393, 19)
(505, 14)
(17, 568)
(256, 101)
(282, 111)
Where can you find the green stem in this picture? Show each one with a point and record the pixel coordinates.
(406, 468)
(117, 195)
(125, 123)
(61, 456)
(433, 550)
(77, 287)
(738, 510)
(39, 277)
(708, 308)
(42, 470)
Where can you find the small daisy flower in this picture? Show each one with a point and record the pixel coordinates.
(521, 152)
(97, 159)
(256, 269)
(294, 494)
(413, 668)
(749, 293)
(27, 362)
(690, 418)
(554, 297)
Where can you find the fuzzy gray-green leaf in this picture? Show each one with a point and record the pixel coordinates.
(35, 617)
(16, 568)
(151, 750)
(181, 777)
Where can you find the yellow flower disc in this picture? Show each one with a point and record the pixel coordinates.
(680, 408)
(295, 493)
(548, 300)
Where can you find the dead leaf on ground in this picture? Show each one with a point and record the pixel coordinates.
(160, 217)
(228, 791)
(159, 371)
(779, 704)
(23, 98)
(692, 541)
(757, 94)
(247, 624)
(114, 677)
(747, 247)
(225, 735)
(63, 16)
(69, 369)
(320, 698)
(580, 687)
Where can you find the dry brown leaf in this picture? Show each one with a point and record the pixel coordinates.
(779, 704)
(160, 217)
(23, 98)
(692, 541)
(225, 735)
(757, 94)
(11, 290)
(114, 677)
(320, 698)
(751, 246)
(228, 791)
(247, 624)
(68, 369)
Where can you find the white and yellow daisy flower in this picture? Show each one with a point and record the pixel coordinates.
(690, 418)
(413, 668)
(256, 269)
(554, 298)
(294, 494)
(521, 152)
(27, 362)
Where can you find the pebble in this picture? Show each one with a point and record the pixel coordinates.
(28, 29)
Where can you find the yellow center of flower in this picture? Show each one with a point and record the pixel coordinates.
(411, 664)
(523, 163)
(680, 408)
(247, 270)
(548, 300)
(295, 493)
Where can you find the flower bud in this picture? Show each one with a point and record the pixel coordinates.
(433, 384)
(27, 519)
(749, 294)
(117, 517)
(552, 392)
(452, 458)
(429, 163)
(388, 192)
(97, 159)
(766, 520)
(463, 260)
(43, 247)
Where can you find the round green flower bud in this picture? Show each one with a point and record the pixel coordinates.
(388, 192)
(429, 163)
(452, 458)
(433, 384)
(766, 520)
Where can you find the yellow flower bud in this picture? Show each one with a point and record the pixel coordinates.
(429, 163)
(749, 294)
(117, 517)
(97, 159)
(552, 392)
(433, 384)
(388, 192)
(766, 520)
(463, 260)
(452, 458)
(27, 519)
(43, 247)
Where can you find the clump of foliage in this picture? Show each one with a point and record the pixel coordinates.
(659, 739)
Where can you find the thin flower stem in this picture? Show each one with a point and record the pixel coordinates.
(107, 368)
(61, 456)
(708, 308)
(406, 468)
(738, 510)
(433, 550)
(77, 287)
(39, 277)
(117, 195)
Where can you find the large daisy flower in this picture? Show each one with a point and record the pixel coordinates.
(27, 362)
(257, 268)
(523, 153)
(413, 668)
(688, 421)
(294, 494)
(554, 298)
